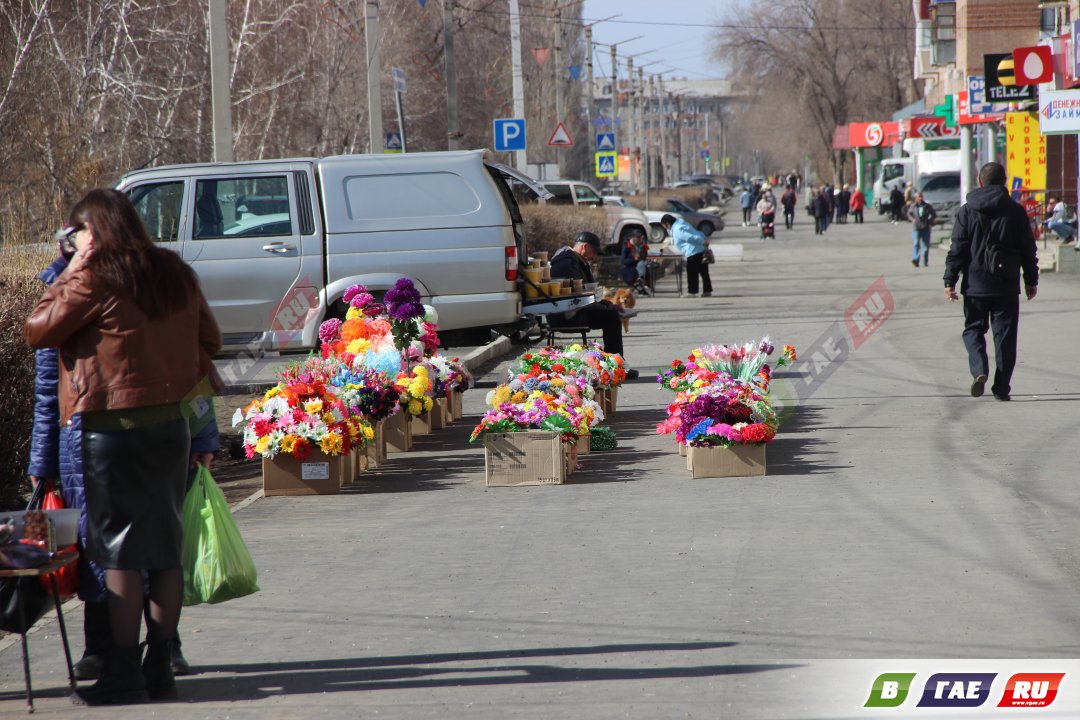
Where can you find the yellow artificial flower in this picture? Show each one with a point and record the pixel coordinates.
(288, 444)
(415, 408)
(428, 403)
(272, 392)
(519, 397)
(262, 444)
(369, 432)
(353, 313)
(331, 444)
(313, 407)
(558, 382)
(359, 346)
(417, 388)
(328, 418)
(502, 394)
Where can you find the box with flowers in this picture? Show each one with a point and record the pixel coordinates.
(301, 416)
(722, 417)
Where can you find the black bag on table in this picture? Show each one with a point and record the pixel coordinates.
(36, 602)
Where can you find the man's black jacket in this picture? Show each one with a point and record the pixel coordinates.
(990, 216)
(566, 263)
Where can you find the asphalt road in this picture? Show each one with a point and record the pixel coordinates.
(900, 518)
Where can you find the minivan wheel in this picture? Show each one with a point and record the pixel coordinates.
(707, 228)
(657, 233)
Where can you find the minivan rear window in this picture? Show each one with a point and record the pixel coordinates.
(409, 195)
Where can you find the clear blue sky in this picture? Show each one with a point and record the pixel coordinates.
(683, 48)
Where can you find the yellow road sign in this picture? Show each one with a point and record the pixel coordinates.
(607, 164)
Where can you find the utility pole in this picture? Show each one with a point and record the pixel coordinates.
(615, 97)
(642, 104)
(220, 100)
(635, 157)
(374, 74)
(558, 80)
(590, 108)
(453, 132)
(520, 157)
(665, 132)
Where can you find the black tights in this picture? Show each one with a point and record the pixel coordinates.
(126, 604)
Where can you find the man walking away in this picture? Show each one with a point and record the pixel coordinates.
(692, 244)
(821, 212)
(843, 203)
(991, 243)
(789, 199)
(922, 216)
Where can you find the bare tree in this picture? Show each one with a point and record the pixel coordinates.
(837, 59)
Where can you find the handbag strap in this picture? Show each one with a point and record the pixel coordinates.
(38, 496)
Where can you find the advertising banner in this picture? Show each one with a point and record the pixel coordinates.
(1059, 112)
(1025, 149)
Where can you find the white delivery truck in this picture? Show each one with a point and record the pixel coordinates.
(935, 173)
(275, 243)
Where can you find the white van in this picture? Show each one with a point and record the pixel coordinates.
(276, 243)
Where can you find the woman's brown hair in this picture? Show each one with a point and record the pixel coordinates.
(126, 261)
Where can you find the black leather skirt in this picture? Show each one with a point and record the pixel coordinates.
(135, 469)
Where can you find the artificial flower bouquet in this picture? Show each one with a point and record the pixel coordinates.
(295, 417)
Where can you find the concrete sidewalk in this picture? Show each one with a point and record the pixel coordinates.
(900, 518)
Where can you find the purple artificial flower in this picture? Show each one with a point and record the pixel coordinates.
(353, 291)
(403, 293)
(766, 347)
(329, 330)
(406, 311)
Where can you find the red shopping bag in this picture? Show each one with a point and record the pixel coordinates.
(67, 577)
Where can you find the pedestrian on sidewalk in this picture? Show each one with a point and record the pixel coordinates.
(992, 243)
(896, 204)
(1058, 223)
(843, 203)
(692, 244)
(746, 202)
(922, 216)
(136, 337)
(789, 199)
(821, 212)
(56, 455)
(858, 203)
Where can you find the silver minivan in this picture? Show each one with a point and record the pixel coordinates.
(275, 243)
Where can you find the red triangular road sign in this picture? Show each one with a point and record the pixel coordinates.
(560, 138)
(541, 56)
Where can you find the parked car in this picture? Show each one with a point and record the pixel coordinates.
(616, 200)
(708, 223)
(276, 243)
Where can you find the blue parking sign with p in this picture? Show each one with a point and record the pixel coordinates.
(509, 134)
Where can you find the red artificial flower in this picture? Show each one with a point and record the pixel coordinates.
(302, 449)
(262, 427)
(758, 432)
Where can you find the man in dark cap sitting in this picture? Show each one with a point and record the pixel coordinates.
(573, 262)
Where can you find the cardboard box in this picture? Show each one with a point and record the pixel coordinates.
(375, 449)
(422, 424)
(438, 414)
(613, 400)
(443, 404)
(455, 404)
(734, 461)
(398, 431)
(530, 457)
(584, 446)
(682, 449)
(318, 475)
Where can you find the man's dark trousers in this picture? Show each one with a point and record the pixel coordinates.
(1002, 315)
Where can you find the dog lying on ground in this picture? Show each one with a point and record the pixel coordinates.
(624, 300)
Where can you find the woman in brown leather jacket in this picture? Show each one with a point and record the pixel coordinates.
(135, 339)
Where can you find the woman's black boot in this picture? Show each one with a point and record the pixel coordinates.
(158, 671)
(121, 681)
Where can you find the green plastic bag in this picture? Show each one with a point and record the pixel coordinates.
(217, 564)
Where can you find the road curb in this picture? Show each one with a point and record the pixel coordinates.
(476, 359)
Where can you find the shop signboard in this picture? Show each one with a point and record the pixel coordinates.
(873, 134)
(1059, 112)
(1009, 92)
(1025, 150)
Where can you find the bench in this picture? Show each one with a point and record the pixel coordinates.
(551, 333)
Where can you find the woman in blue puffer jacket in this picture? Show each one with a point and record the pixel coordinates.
(56, 453)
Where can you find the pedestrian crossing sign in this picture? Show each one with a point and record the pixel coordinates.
(605, 142)
(607, 164)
